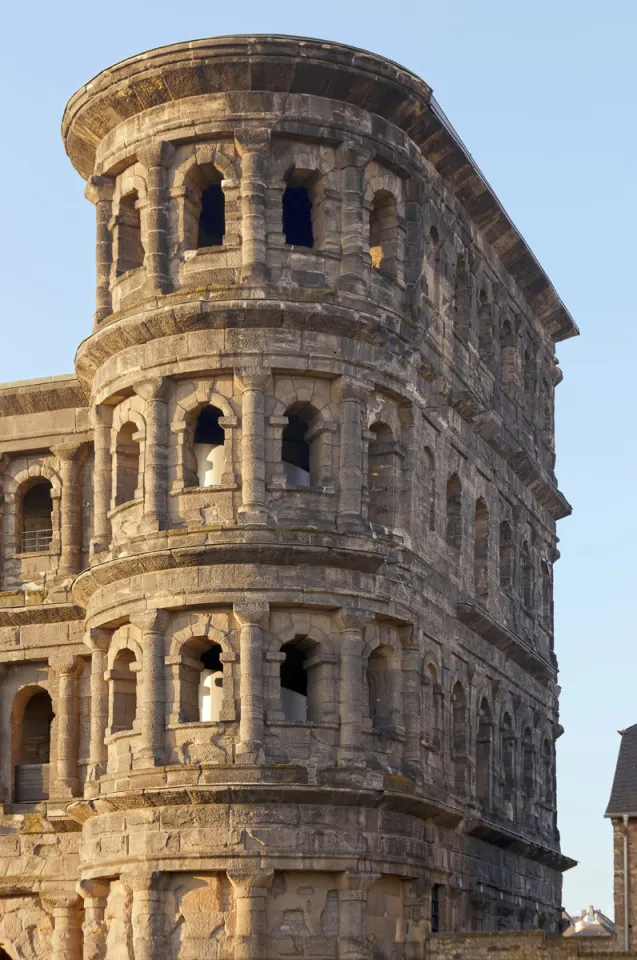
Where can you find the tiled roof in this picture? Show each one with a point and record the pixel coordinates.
(623, 796)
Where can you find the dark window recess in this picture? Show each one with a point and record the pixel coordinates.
(212, 219)
(211, 659)
(293, 675)
(294, 448)
(208, 429)
(297, 217)
(37, 524)
(435, 908)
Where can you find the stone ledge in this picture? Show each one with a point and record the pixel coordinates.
(509, 840)
(481, 622)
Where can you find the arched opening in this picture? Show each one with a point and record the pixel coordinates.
(528, 765)
(32, 734)
(210, 685)
(484, 749)
(462, 299)
(382, 685)
(429, 486)
(548, 775)
(485, 326)
(36, 518)
(383, 232)
(127, 455)
(481, 549)
(454, 513)
(130, 251)
(123, 692)
(298, 208)
(209, 447)
(506, 555)
(212, 218)
(508, 760)
(382, 476)
(459, 738)
(526, 572)
(294, 685)
(298, 454)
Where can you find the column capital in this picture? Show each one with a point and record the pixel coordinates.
(143, 882)
(59, 895)
(65, 664)
(250, 881)
(150, 621)
(357, 884)
(154, 388)
(97, 639)
(101, 415)
(251, 612)
(354, 153)
(252, 140)
(69, 452)
(157, 153)
(252, 378)
(99, 188)
(92, 889)
(348, 389)
(354, 618)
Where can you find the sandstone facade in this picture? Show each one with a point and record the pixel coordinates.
(276, 635)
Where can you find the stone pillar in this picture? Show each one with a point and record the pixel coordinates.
(70, 456)
(252, 616)
(156, 157)
(94, 894)
(66, 782)
(351, 686)
(352, 159)
(411, 706)
(415, 924)
(154, 393)
(102, 418)
(353, 399)
(352, 939)
(151, 694)
(253, 510)
(250, 887)
(253, 146)
(100, 190)
(147, 918)
(63, 903)
(97, 641)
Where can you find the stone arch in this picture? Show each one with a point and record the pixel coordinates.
(31, 742)
(15, 487)
(191, 676)
(127, 226)
(188, 408)
(382, 659)
(310, 402)
(316, 657)
(384, 212)
(204, 165)
(310, 169)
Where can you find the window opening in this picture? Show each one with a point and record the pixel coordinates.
(383, 230)
(130, 249)
(293, 683)
(34, 750)
(127, 464)
(297, 215)
(37, 518)
(527, 577)
(454, 513)
(435, 908)
(212, 219)
(483, 755)
(381, 682)
(210, 690)
(381, 476)
(124, 694)
(296, 452)
(209, 447)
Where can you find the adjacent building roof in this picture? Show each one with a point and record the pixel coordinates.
(591, 923)
(623, 796)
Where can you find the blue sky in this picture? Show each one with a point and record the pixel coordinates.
(543, 95)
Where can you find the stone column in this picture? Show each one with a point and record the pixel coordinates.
(411, 706)
(253, 146)
(156, 157)
(353, 400)
(63, 903)
(97, 641)
(66, 782)
(147, 916)
(70, 455)
(151, 695)
(351, 686)
(100, 190)
(102, 418)
(415, 924)
(250, 887)
(352, 939)
(251, 384)
(352, 159)
(252, 616)
(154, 393)
(94, 894)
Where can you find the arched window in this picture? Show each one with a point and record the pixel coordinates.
(429, 487)
(299, 455)
(212, 219)
(462, 299)
(209, 686)
(526, 572)
(294, 686)
(506, 555)
(459, 738)
(528, 765)
(382, 685)
(382, 476)
(454, 513)
(481, 549)
(508, 763)
(123, 692)
(508, 356)
(128, 234)
(383, 232)
(484, 748)
(298, 208)
(126, 464)
(32, 735)
(432, 265)
(209, 447)
(548, 774)
(36, 517)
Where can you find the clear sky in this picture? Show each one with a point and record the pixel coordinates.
(543, 95)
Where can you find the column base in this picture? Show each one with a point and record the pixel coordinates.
(249, 751)
(350, 523)
(351, 283)
(149, 525)
(254, 516)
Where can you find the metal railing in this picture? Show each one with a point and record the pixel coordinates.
(36, 541)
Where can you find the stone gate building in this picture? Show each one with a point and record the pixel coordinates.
(276, 633)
